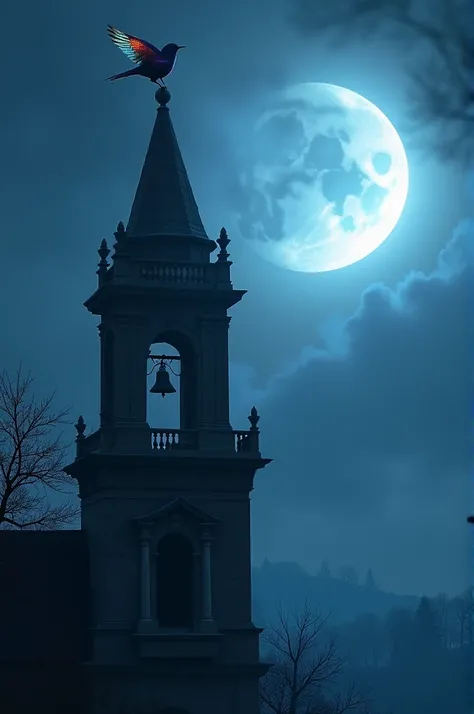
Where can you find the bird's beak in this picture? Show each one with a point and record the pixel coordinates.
(181, 47)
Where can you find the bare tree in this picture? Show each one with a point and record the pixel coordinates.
(306, 667)
(31, 459)
(438, 41)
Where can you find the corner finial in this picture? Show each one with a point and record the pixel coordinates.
(103, 264)
(103, 253)
(80, 428)
(223, 241)
(162, 96)
(119, 233)
(254, 418)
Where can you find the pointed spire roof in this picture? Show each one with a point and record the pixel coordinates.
(164, 203)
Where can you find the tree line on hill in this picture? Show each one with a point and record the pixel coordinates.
(408, 662)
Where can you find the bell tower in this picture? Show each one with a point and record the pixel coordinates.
(167, 511)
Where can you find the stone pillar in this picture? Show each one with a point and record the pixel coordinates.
(207, 620)
(214, 409)
(130, 351)
(145, 580)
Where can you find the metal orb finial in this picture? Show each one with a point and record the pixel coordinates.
(162, 96)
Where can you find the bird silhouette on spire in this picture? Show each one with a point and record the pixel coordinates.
(152, 63)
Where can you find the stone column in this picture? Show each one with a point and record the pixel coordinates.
(214, 411)
(145, 580)
(207, 621)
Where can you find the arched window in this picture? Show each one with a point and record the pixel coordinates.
(174, 582)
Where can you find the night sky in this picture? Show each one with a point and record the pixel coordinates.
(361, 375)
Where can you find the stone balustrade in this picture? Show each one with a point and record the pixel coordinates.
(161, 440)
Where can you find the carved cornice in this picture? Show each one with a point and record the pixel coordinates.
(176, 511)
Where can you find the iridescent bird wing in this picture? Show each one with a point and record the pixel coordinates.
(136, 49)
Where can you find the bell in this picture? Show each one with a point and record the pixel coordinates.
(162, 384)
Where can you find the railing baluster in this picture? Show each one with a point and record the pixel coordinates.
(180, 273)
(245, 442)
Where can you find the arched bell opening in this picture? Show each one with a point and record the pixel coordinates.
(178, 409)
(163, 374)
(175, 602)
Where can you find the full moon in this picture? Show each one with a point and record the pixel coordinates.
(325, 181)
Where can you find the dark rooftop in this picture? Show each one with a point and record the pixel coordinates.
(44, 595)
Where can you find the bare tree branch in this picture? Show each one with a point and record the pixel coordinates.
(306, 665)
(31, 458)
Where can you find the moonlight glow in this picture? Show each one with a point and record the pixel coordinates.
(327, 181)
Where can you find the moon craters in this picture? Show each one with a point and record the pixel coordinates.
(382, 162)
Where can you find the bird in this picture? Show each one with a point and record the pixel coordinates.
(152, 63)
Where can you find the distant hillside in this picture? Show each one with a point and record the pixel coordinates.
(288, 585)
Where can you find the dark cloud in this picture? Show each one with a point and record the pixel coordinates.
(435, 54)
(371, 438)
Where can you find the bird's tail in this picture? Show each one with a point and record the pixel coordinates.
(128, 73)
